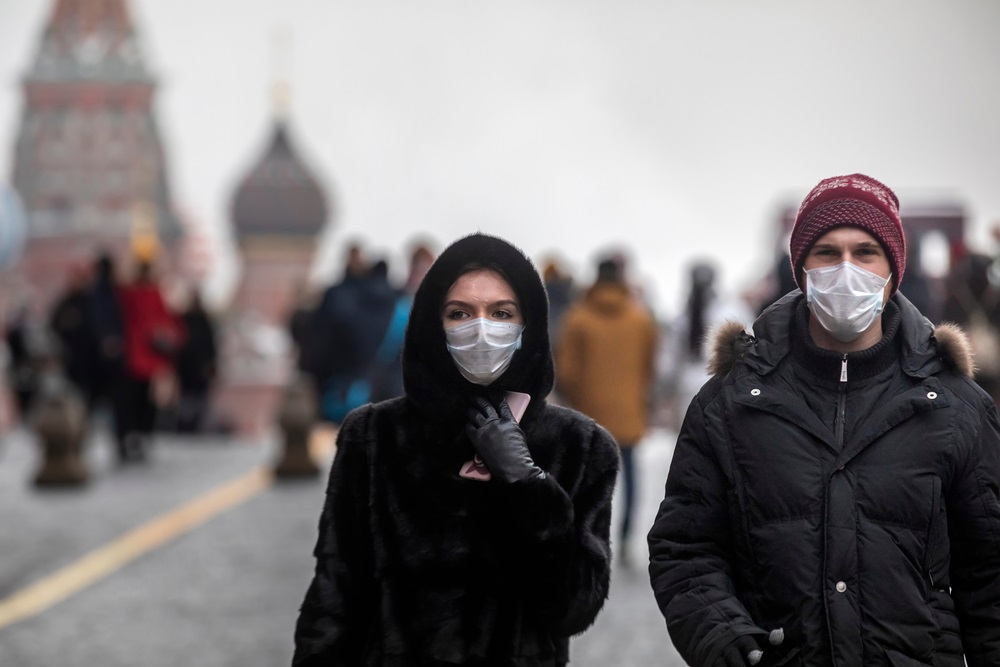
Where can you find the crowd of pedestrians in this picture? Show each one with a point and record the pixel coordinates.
(349, 338)
(832, 497)
(833, 493)
(123, 351)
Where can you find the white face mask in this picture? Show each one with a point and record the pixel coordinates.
(482, 348)
(845, 299)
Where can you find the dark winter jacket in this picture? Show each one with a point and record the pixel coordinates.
(860, 515)
(416, 565)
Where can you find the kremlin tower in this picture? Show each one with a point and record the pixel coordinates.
(89, 163)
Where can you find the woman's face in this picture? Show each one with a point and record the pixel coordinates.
(482, 293)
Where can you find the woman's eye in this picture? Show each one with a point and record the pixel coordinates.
(502, 315)
(456, 315)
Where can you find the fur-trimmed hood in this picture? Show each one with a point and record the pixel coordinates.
(926, 348)
(430, 378)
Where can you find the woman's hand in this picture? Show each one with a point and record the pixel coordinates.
(500, 442)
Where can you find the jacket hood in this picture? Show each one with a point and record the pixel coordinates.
(607, 298)
(927, 349)
(430, 378)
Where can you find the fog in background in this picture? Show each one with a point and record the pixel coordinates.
(672, 129)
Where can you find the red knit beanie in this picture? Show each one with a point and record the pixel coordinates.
(855, 200)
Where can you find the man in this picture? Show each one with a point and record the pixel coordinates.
(833, 496)
(605, 360)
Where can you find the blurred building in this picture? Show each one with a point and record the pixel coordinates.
(278, 212)
(89, 163)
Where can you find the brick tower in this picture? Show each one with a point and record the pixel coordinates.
(88, 163)
(278, 212)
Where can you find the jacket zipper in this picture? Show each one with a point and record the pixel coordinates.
(839, 433)
(841, 404)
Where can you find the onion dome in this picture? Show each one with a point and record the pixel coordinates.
(280, 196)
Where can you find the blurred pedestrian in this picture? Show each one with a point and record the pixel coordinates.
(304, 330)
(973, 301)
(68, 321)
(461, 527)
(387, 312)
(560, 290)
(421, 259)
(197, 364)
(336, 355)
(683, 359)
(920, 290)
(106, 326)
(153, 336)
(23, 362)
(605, 364)
(360, 328)
(832, 498)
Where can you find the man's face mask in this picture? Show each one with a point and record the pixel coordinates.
(845, 299)
(482, 348)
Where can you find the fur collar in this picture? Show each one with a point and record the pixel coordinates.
(730, 342)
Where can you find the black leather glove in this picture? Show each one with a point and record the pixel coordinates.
(741, 652)
(500, 442)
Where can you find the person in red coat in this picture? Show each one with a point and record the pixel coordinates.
(153, 334)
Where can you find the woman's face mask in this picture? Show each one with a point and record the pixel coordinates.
(483, 349)
(482, 325)
(845, 299)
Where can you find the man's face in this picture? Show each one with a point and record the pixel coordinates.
(850, 244)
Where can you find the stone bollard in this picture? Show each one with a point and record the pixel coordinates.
(60, 422)
(296, 418)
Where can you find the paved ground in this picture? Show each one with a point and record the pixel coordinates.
(224, 594)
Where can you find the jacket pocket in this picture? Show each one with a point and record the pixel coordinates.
(936, 560)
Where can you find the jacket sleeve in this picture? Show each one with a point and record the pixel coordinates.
(336, 617)
(691, 550)
(974, 526)
(560, 537)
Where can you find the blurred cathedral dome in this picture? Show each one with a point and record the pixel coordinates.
(280, 195)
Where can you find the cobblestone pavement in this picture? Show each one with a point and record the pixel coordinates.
(226, 593)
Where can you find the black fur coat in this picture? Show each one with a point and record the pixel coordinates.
(418, 566)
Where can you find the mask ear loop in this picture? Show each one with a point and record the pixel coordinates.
(881, 306)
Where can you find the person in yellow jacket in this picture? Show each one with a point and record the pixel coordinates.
(605, 362)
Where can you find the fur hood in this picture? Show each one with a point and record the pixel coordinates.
(926, 347)
(430, 378)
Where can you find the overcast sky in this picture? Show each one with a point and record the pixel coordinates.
(670, 128)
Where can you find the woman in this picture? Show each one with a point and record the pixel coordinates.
(453, 533)
(152, 336)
